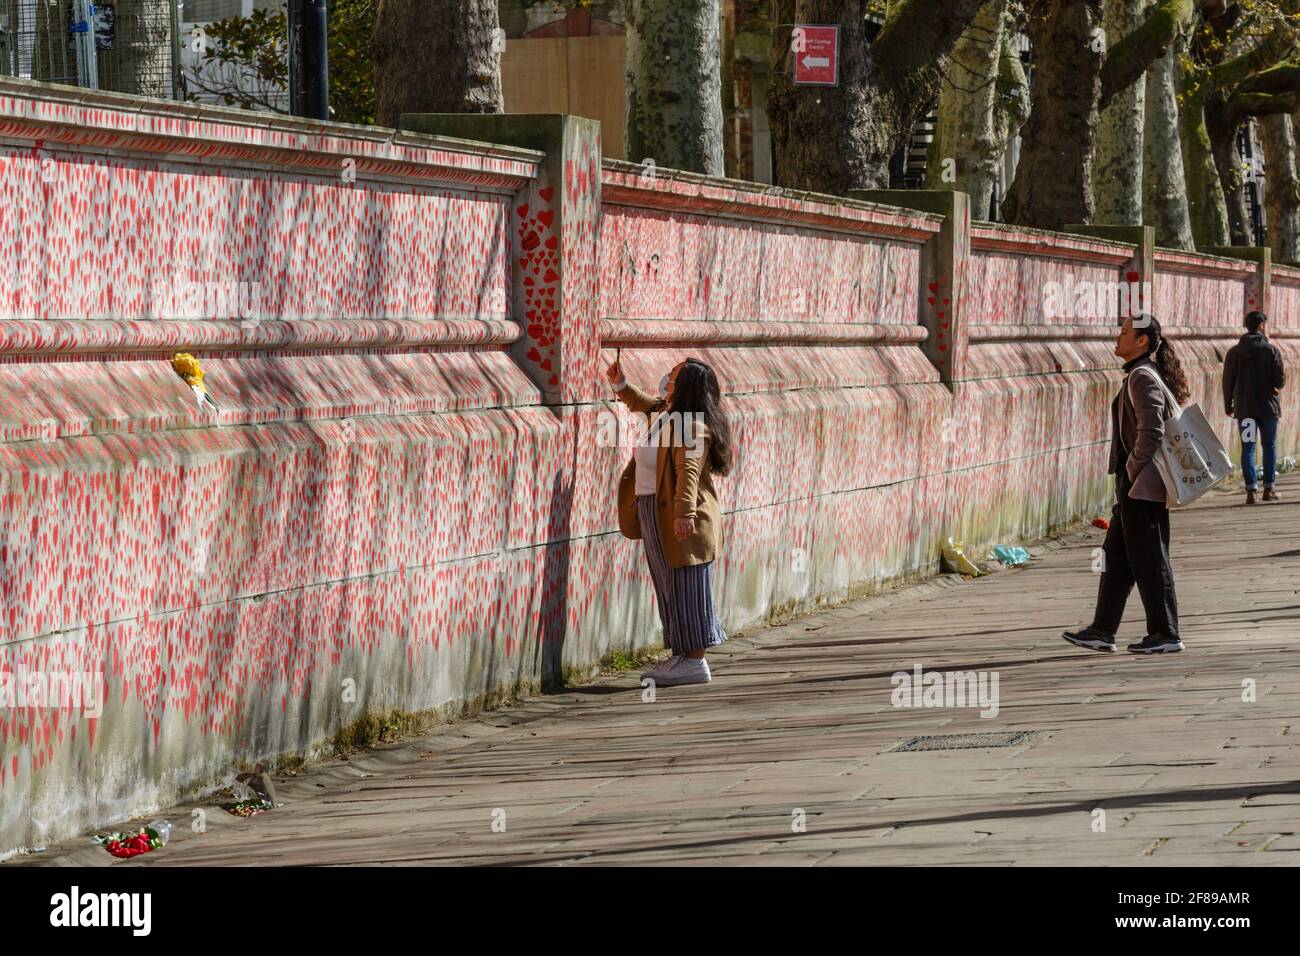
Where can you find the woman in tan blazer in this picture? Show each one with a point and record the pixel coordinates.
(667, 501)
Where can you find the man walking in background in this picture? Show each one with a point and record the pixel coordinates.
(1252, 377)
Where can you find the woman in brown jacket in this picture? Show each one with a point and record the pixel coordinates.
(666, 500)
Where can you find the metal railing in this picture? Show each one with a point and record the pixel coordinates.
(126, 46)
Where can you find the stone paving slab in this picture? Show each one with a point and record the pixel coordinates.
(788, 758)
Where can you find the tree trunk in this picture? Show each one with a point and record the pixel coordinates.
(1282, 187)
(436, 57)
(1118, 158)
(1209, 119)
(674, 84)
(1205, 201)
(140, 60)
(1164, 185)
(1128, 56)
(833, 139)
(1013, 106)
(1053, 185)
(826, 139)
(1222, 127)
(975, 120)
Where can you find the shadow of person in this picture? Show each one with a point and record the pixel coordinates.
(555, 580)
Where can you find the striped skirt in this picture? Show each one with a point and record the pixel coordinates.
(684, 596)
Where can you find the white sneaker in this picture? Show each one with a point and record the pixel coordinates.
(689, 670)
(656, 671)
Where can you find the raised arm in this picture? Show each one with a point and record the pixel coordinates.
(629, 394)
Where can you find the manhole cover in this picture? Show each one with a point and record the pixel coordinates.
(966, 741)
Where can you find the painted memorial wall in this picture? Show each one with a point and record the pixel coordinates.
(404, 497)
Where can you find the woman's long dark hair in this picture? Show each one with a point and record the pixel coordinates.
(1161, 352)
(696, 392)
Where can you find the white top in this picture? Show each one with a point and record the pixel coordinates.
(645, 456)
(647, 461)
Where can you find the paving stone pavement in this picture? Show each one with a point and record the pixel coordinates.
(799, 724)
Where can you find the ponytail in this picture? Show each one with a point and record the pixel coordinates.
(1161, 352)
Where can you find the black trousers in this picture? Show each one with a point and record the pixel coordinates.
(1137, 552)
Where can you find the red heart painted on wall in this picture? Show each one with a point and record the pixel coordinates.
(934, 287)
(534, 355)
(545, 218)
(546, 193)
(552, 242)
(1132, 276)
(551, 276)
(522, 210)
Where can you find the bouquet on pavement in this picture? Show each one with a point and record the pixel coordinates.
(148, 839)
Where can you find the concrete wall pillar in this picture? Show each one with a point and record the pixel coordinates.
(1258, 291)
(553, 232)
(943, 273)
(1141, 268)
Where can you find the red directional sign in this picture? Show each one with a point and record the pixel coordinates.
(816, 55)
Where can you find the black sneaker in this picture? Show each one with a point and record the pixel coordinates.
(1092, 639)
(1156, 644)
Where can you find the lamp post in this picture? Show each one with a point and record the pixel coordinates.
(309, 82)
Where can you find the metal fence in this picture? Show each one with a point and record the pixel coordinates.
(126, 46)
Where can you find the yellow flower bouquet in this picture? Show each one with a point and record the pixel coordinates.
(188, 368)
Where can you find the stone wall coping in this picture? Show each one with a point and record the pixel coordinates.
(1176, 260)
(51, 116)
(1017, 333)
(660, 332)
(998, 237)
(104, 336)
(671, 190)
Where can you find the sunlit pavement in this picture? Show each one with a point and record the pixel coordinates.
(788, 757)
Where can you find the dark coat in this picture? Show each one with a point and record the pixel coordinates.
(1137, 418)
(1252, 376)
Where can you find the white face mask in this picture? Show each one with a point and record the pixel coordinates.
(663, 387)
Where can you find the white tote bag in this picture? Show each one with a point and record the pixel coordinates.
(1191, 459)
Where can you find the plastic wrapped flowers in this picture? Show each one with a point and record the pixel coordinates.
(191, 372)
(148, 839)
